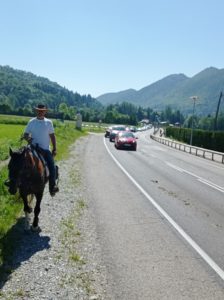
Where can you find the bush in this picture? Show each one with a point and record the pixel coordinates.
(201, 138)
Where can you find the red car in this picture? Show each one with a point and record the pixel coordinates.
(125, 140)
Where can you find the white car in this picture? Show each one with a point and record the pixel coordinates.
(115, 129)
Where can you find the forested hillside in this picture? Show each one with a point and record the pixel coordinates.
(20, 91)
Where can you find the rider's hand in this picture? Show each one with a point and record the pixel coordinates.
(27, 137)
(54, 152)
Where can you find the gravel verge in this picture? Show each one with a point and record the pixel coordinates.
(63, 261)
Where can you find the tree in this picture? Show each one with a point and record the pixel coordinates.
(133, 120)
(63, 108)
(140, 113)
(72, 112)
(5, 108)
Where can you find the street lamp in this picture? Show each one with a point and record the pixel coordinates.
(194, 98)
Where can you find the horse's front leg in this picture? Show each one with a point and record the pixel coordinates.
(38, 196)
(26, 207)
(27, 210)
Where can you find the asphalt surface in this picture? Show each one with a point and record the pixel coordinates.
(137, 199)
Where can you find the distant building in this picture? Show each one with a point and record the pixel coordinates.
(164, 123)
(145, 121)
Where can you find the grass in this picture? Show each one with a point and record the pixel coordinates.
(10, 206)
(9, 137)
(70, 234)
(9, 119)
(66, 135)
(19, 294)
(76, 258)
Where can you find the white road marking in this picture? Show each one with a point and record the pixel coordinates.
(211, 184)
(203, 180)
(193, 244)
(213, 165)
(174, 167)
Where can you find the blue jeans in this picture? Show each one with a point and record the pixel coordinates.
(51, 166)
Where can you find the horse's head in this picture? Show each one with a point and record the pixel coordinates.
(15, 166)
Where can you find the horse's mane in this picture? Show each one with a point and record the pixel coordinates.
(20, 150)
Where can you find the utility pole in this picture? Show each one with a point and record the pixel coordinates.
(217, 112)
(194, 98)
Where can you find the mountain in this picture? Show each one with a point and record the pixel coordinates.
(122, 96)
(175, 90)
(19, 89)
(23, 90)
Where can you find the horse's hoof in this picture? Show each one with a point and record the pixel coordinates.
(27, 221)
(36, 229)
(29, 210)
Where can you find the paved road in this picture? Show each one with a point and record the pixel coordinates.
(145, 256)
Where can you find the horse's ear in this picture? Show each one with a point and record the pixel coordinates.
(10, 151)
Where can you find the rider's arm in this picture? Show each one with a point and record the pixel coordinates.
(53, 141)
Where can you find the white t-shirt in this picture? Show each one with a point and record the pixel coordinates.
(40, 130)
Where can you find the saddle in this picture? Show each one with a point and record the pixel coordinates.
(36, 151)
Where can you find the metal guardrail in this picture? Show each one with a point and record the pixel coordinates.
(205, 153)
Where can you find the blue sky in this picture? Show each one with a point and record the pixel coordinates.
(100, 46)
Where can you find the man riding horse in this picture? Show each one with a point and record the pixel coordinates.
(40, 132)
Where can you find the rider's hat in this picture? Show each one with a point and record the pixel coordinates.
(41, 107)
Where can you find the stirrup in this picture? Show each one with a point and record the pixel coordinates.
(54, 190)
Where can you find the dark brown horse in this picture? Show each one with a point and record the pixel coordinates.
(27, 175)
